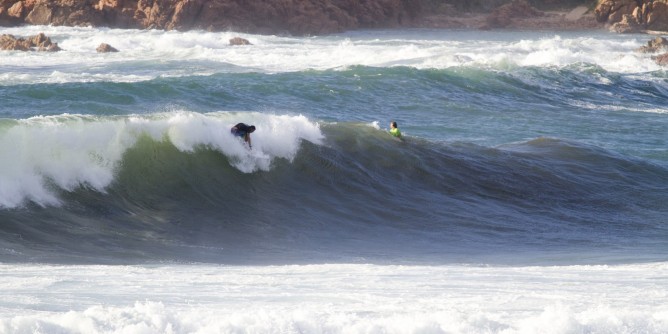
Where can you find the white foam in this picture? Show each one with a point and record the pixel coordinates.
(334, 299)
(172, 53)
(71, 151)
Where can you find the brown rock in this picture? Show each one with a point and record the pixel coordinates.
(656, 17)
(612, 11)
(621, 8)
(43, 43)
(305, 17)
(30, 3)
(39, 42)
(661, 59)
(239, 41)
(102, 4)
(633, 16)
(654, 45)
(256, 16)
(602, 11)
(104, 48)
(40, 15)
(9, 42)
(628, 25)
(16, 10)
(53, 47)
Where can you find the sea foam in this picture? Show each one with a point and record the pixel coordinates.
(334, 298)
(178, 54)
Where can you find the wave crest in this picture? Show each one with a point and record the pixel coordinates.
(44, 154)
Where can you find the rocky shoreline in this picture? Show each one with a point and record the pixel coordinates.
(294, 17)
(317, 17)
(312, 17)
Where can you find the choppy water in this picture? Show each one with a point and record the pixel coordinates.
(520, 148)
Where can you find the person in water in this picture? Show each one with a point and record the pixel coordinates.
(243, 130)
(394, 130)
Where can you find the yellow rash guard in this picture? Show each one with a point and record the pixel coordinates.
(395, 132)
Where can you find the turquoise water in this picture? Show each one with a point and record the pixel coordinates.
(518, 147)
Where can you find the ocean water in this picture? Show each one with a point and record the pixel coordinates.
(529, 194)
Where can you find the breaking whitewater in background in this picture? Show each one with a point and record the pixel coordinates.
(528, 195)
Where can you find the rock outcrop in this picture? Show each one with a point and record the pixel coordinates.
(662, 59)
(296, 17)
(633, 16)
(34, 43)
(256, 16)
(311, 17)
(105, 48)
(239, 41)
(655, 45)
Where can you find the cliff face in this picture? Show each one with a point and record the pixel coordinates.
(630, 16)
(260, 16)
(304, 17)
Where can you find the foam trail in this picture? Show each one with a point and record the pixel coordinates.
(47, 153)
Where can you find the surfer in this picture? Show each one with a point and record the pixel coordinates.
(394, 130)
(243, 130)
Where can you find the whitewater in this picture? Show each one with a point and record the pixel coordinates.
(528, 194)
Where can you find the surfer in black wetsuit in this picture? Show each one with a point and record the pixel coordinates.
(243, 130)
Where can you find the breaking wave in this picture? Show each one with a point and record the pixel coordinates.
(179, 186)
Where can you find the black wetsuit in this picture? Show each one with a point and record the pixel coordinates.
(240, 130)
